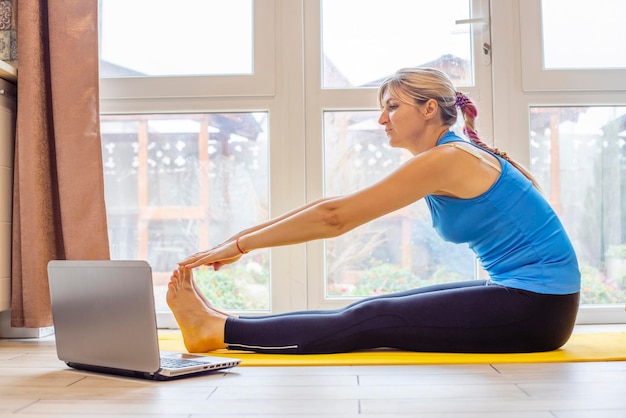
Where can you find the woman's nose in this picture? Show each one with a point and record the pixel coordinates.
(383, 118)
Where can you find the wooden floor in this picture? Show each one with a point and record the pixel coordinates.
(33, 382)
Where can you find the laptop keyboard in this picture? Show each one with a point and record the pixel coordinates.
(175, 363)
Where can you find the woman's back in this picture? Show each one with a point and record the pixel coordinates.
(514, 232)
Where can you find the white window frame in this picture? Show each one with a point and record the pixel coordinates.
(287, 84)
(259, 83)
(537, 78)
(319, 100)
(275, 87)
(520, 83)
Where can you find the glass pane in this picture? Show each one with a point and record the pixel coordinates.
(579, 157)
(397, 252)
(183, 37)
(175, 184)
(579, 34)
(364, 41)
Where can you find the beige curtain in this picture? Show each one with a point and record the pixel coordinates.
(58, 197)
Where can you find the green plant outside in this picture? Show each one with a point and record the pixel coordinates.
(246, 286)
(617, 251)
(383, 278)
(596, 289)
(387, 278)
(241, 286)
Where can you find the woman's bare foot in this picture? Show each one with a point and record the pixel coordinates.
(204, 298)
(202, 328)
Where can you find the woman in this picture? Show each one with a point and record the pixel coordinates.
(476, 195)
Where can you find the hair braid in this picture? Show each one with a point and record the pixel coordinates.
(470, 112)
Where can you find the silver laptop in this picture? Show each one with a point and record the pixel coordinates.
(104, 321)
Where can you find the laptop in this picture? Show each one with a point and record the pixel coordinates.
(105, 321)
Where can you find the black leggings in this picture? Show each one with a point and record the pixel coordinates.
(467, 317)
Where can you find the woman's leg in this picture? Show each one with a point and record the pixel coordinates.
(203, 326)
(471, 317)
(466, 318)
(424, 289)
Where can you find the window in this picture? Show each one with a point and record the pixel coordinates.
(186, 160)
(370, 48)
(566, 97)
(348, 150)
(187, 148)
(574, 33)
(572, 45)
(186, 37)
(178, 183)
(195, 154)
(579, 155)
(181, 49)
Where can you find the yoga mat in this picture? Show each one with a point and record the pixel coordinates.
(606, 346)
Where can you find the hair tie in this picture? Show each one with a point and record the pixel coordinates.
(461, 100)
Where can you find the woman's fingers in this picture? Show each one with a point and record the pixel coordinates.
(192, 258)
(196, 259)
(216, 257)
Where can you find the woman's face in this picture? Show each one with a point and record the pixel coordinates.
(404, 123)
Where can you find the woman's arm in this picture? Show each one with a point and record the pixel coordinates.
(191, 261)
(274, 220)
(330, 217)
(423, 174)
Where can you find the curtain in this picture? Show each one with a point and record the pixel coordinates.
(58, 196)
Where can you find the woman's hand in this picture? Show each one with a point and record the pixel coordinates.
(216, 257)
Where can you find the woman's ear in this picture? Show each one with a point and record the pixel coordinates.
(430, 108)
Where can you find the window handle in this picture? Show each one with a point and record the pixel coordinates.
(483, 20)
(485, 34)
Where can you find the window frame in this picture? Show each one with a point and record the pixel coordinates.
(259, 83)
(278, 90)
(296, 102)
(536, 78)
(512, 100)
(320, 100)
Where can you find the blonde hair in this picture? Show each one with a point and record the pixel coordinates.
(417, 85)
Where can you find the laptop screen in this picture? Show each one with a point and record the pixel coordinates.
(103, 313)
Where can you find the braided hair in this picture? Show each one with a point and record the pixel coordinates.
(417, 85)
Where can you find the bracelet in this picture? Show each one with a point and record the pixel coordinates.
(239, 248)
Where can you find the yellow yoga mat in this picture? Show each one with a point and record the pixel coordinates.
(606, 346)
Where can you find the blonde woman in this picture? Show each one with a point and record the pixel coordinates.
(477, 195)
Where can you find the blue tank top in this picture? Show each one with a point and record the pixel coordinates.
(513, 231)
